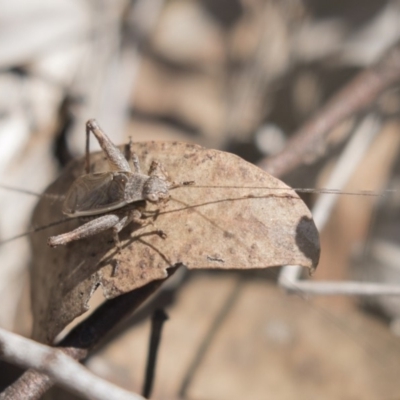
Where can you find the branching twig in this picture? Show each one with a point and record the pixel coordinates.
(289, 277)
(309, 142)
(63, 369)
(83, 338)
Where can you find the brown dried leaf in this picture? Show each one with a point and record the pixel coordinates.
(229, 219)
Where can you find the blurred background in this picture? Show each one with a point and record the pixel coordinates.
(235, 75)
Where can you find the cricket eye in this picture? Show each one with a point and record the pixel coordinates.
(152, 197)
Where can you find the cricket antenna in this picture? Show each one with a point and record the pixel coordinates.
(31, 193)
(372, 193)
(34, 230)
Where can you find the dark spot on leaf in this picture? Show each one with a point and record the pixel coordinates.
(307, 240)
(215, 258)
(187, 156)
(228, 235)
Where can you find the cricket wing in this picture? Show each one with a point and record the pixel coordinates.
(94, 194)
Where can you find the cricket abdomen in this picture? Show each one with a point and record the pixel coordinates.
(95, 194)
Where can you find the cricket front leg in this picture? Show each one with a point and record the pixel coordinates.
(136, 217)
(174, 185)
(157, 169)
(132, 156)
(91, 228)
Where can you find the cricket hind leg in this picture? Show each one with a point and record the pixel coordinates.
(101, 224)
(91, 228)
(115, 158)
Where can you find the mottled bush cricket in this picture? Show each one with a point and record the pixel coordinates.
(109, 197)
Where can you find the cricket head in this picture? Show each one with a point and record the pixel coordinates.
(156, 189)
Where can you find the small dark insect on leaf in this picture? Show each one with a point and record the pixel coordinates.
(233, 216)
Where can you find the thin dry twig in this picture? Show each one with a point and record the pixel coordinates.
(309, 142)
(344, 168)
(157, 323)
(82, 339)
(205, 344)
(289, 278)
(345, 288)
(362, 139)
(61, 368)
